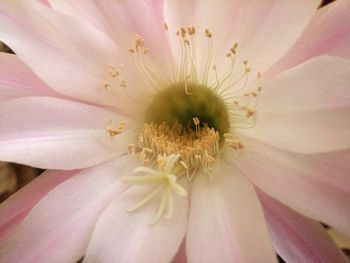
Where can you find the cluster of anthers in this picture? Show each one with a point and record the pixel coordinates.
(170, 151)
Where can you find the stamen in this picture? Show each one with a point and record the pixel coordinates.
(112, 77)
(165, 140)
(209, 35)
(155, 79)
(114, 131)
(234, 143)
(169, 150)
(196, 122)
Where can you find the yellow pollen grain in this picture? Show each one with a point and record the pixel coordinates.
(208, 33)
(165, 140)
(114, 131)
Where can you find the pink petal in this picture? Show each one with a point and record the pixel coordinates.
(327, 33)
(226, 222)
(17, 80)
(180, 256)
(340, 159)
(121, 236)
(312, 187)
(16, 207)
(58, 228)
(87, 11)
(45, 2)
(70, 57)
(297, 238)
(264, 29)
(124, 18)
(307, 108)
(58, 134)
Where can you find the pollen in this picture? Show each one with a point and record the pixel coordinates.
(114, 131)
(196, 149)
(113, 78)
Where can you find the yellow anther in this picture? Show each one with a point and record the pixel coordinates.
(113, 72)
(106, 85)
(196, 121)
(191, 30)
(147, 150)
(123, 84)
(163, 139)
(249, 112)
(131, 148)
(183, 32)
(166, 26)
(114, 131)
(208, 33)
(233, 142)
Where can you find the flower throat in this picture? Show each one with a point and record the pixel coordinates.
(191, 105)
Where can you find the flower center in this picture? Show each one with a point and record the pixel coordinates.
(182, 102)
(194, 113)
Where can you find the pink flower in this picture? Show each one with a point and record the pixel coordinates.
(176, 129)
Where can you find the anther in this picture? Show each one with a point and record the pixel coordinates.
(114, 131)
(183, 32)
(123, 84)
(106, 85)
(208, 33)
(131, 148)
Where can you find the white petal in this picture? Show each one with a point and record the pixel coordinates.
(307, 108)
(124, 18)
(314, 188)
(58, 134)
(297, 238)
(327, 34)
(120, 236)
(18, 205)
(226, 221)
(265, 29)
(70, 57)
(58, 228)
(17, 80)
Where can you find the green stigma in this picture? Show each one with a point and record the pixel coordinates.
(183, 103)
